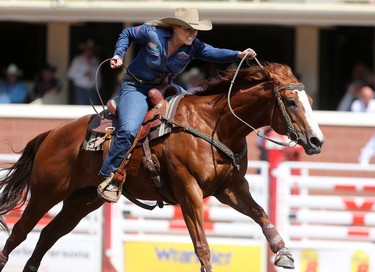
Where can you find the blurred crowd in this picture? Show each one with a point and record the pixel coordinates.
(359, 97)
(359, 93)
(84, 78)
(46, 85)
(13, 89)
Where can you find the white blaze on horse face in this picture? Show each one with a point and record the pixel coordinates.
(309, 114)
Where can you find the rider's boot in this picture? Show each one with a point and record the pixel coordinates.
(110, 189)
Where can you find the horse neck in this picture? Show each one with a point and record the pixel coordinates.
(254, 106)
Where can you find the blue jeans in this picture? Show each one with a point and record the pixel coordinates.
(132, 108)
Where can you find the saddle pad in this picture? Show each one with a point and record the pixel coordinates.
(94, 141)
(173, 102)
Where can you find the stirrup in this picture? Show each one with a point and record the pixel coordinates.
(110, 194)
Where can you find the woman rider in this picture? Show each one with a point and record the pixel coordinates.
(168, 45)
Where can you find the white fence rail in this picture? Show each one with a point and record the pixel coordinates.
(323, 212)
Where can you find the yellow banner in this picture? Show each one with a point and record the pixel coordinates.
(360, 262)
(309, 261)
(172, 257)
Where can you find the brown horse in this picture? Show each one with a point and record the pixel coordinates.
(54, 167)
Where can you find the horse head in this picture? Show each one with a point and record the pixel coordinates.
(292, 114)
(268, 96)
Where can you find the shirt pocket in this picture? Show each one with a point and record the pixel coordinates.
(153, 49)
(153, 55)
(182, 58)
(180, 61)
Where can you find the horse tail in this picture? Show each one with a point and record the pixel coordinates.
(14, 185)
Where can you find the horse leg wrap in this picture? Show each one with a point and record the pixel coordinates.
(273, 237)
(206, 268)
(3, 260)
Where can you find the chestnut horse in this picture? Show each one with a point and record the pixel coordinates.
(54, 167)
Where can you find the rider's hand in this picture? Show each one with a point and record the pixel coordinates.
(250, 54)
(116, 62)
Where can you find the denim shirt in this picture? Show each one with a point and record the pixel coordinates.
(152, 63)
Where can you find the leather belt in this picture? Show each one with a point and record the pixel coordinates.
(157, 81)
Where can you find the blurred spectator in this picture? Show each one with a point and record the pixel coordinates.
(191, 79)
(365, 101)
(275, 153)
(261, 145)
(82, 72)
(13, 90)
(367, 152)
(46, 84)
(361, 76)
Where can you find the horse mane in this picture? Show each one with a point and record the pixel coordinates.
(271, 71)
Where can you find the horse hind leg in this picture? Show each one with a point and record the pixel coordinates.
(33, 212)
(239, 197)
(77, 206)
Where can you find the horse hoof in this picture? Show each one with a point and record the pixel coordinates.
(284, 259)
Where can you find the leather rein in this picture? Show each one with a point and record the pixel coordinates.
(291, 131)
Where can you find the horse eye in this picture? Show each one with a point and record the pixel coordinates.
(290, 103)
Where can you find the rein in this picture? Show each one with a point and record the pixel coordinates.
(280, 103)
(97, 88)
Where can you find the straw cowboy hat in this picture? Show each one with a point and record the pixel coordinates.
(188, 17)
(13, 70)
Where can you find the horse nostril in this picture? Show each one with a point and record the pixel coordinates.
(316, 142)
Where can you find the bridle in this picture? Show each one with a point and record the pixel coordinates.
(291, 131)
(276, 91)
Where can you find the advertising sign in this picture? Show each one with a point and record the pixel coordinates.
(144, 256)
(71, 253)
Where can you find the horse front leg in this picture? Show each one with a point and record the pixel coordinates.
(191, 202)
(238, 196)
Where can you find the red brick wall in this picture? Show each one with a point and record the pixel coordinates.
(342, 143)
(18, 131)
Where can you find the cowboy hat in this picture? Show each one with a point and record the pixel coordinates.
(13, 70)
(88, 44)
(188, 17)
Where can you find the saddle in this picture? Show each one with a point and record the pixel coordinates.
(104, 125)
(107, 119)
